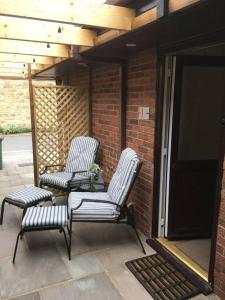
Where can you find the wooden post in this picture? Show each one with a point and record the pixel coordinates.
(32, 112)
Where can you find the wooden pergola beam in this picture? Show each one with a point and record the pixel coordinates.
(12, 76)
(20, 72)
(179, 4)
(34, 48)
(12, 65)
(48, 32)
(19, 58)
(141, 20)
(71, 12)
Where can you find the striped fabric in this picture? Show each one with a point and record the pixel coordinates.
(117, 192)
(61, 179)
(91, 211)
(123, 177)
(45, 216)
(81, 155)
(28, 196)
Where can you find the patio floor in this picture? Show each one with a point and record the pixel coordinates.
(42, 269)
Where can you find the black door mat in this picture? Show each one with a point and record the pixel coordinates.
(161, 279)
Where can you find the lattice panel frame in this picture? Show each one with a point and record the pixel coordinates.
(60, 113)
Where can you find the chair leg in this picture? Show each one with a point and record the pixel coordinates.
(21, 235)
(17, 240)
(139, 239)
(2, 211)
(70, 238)
(67, 245)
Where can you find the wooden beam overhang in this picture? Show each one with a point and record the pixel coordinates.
(12, 65)
(12, 76)
(48, 32)
(34, 48)
(19, 58)
(175, 5)
(19, 72)
(164, 33)
(139, 21)
(76, 12)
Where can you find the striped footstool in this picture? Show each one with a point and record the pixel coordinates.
(25, 198)
(44, 218)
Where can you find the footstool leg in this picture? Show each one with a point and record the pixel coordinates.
(17, 240)
(24, 211)
(2, 211)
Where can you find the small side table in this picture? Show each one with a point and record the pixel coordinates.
(94, 186)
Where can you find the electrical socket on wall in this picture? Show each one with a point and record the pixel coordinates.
(143, 113)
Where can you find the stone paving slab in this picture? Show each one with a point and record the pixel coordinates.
(97, 287)
(33, 296)
(32, 270)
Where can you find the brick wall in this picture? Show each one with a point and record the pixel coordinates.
(105, 111)
(79, 79)
(14, 103)
(140, 133)
(105, 114)
(220, 248)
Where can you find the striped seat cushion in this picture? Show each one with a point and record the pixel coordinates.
(82, 154)
(61, 179)
(91, 211)
(123, 177)
(28, 196)
(45, 216)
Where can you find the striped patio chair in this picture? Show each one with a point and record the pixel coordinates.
(110, 206)
(81, 155)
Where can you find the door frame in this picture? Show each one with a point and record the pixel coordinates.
(162, 54)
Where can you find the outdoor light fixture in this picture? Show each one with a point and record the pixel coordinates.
(59, 30)
(48, 45)
(34, 63)
(131, 45)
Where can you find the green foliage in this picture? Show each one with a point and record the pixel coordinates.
(94, 171)
(12, 129)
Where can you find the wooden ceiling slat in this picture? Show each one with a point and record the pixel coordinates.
(19, 58)
(141, 20)
(33, 48)
(72, 12)
(179, 4)
(49, 32)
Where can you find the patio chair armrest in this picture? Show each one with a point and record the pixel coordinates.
(96, 201)
(50, 166)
